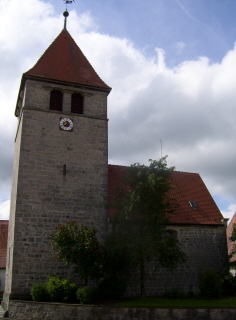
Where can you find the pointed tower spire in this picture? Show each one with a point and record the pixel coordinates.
(63, 61)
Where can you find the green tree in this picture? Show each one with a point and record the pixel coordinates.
(116, 265)
(78, 245)
(142, 208)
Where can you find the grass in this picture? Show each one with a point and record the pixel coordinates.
(163, 302)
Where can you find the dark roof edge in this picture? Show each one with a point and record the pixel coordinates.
(176, 171)
(197, 224)
(25, 76)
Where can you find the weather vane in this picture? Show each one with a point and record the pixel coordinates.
(68, 2)
(66, 13)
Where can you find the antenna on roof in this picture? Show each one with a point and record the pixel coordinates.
(161, 148)
(66, 13)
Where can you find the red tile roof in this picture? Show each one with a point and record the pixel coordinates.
(229, 234)
(63, 61)
(3, 243)
(187, 187)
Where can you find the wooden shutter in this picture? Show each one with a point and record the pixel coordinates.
(77, 103)
(56, 98)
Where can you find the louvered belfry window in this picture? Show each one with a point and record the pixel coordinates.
(77, 103)
(56, 98)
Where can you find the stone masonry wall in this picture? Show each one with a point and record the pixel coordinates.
(55, 311)
(205, 246)
(11, 226)
(42, 196)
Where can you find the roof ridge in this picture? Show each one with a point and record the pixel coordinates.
(118, 165)
(185, 172)
(46, 51)
(176, 171)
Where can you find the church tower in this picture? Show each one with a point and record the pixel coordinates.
(60, 164)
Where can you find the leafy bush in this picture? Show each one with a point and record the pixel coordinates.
(209, 283)
(85, 294)
(39, 292)
(78, 245)
(228, 282)
(112, 287)
(61, 289)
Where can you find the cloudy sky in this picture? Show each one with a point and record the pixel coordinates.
(171, 64)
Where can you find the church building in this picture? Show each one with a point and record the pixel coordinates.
(61, 174)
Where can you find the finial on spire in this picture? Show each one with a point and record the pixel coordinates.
(66, 13)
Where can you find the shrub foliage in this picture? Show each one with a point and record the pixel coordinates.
(39, 292)
(60, 289)
(85, 294)
(228, 282)
(56, 289)
(78, 245)
(209, 283)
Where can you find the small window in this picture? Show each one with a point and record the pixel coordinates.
(193, 204)
(77, 103)
(56, 98)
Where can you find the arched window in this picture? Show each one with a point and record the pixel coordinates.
(77, 103)
(56, 98)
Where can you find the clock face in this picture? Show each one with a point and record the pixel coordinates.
(66, 124)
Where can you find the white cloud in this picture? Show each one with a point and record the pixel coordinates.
(29, 27)
(180, 46)
(4, 210)
(190, 107)
(230, 211)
